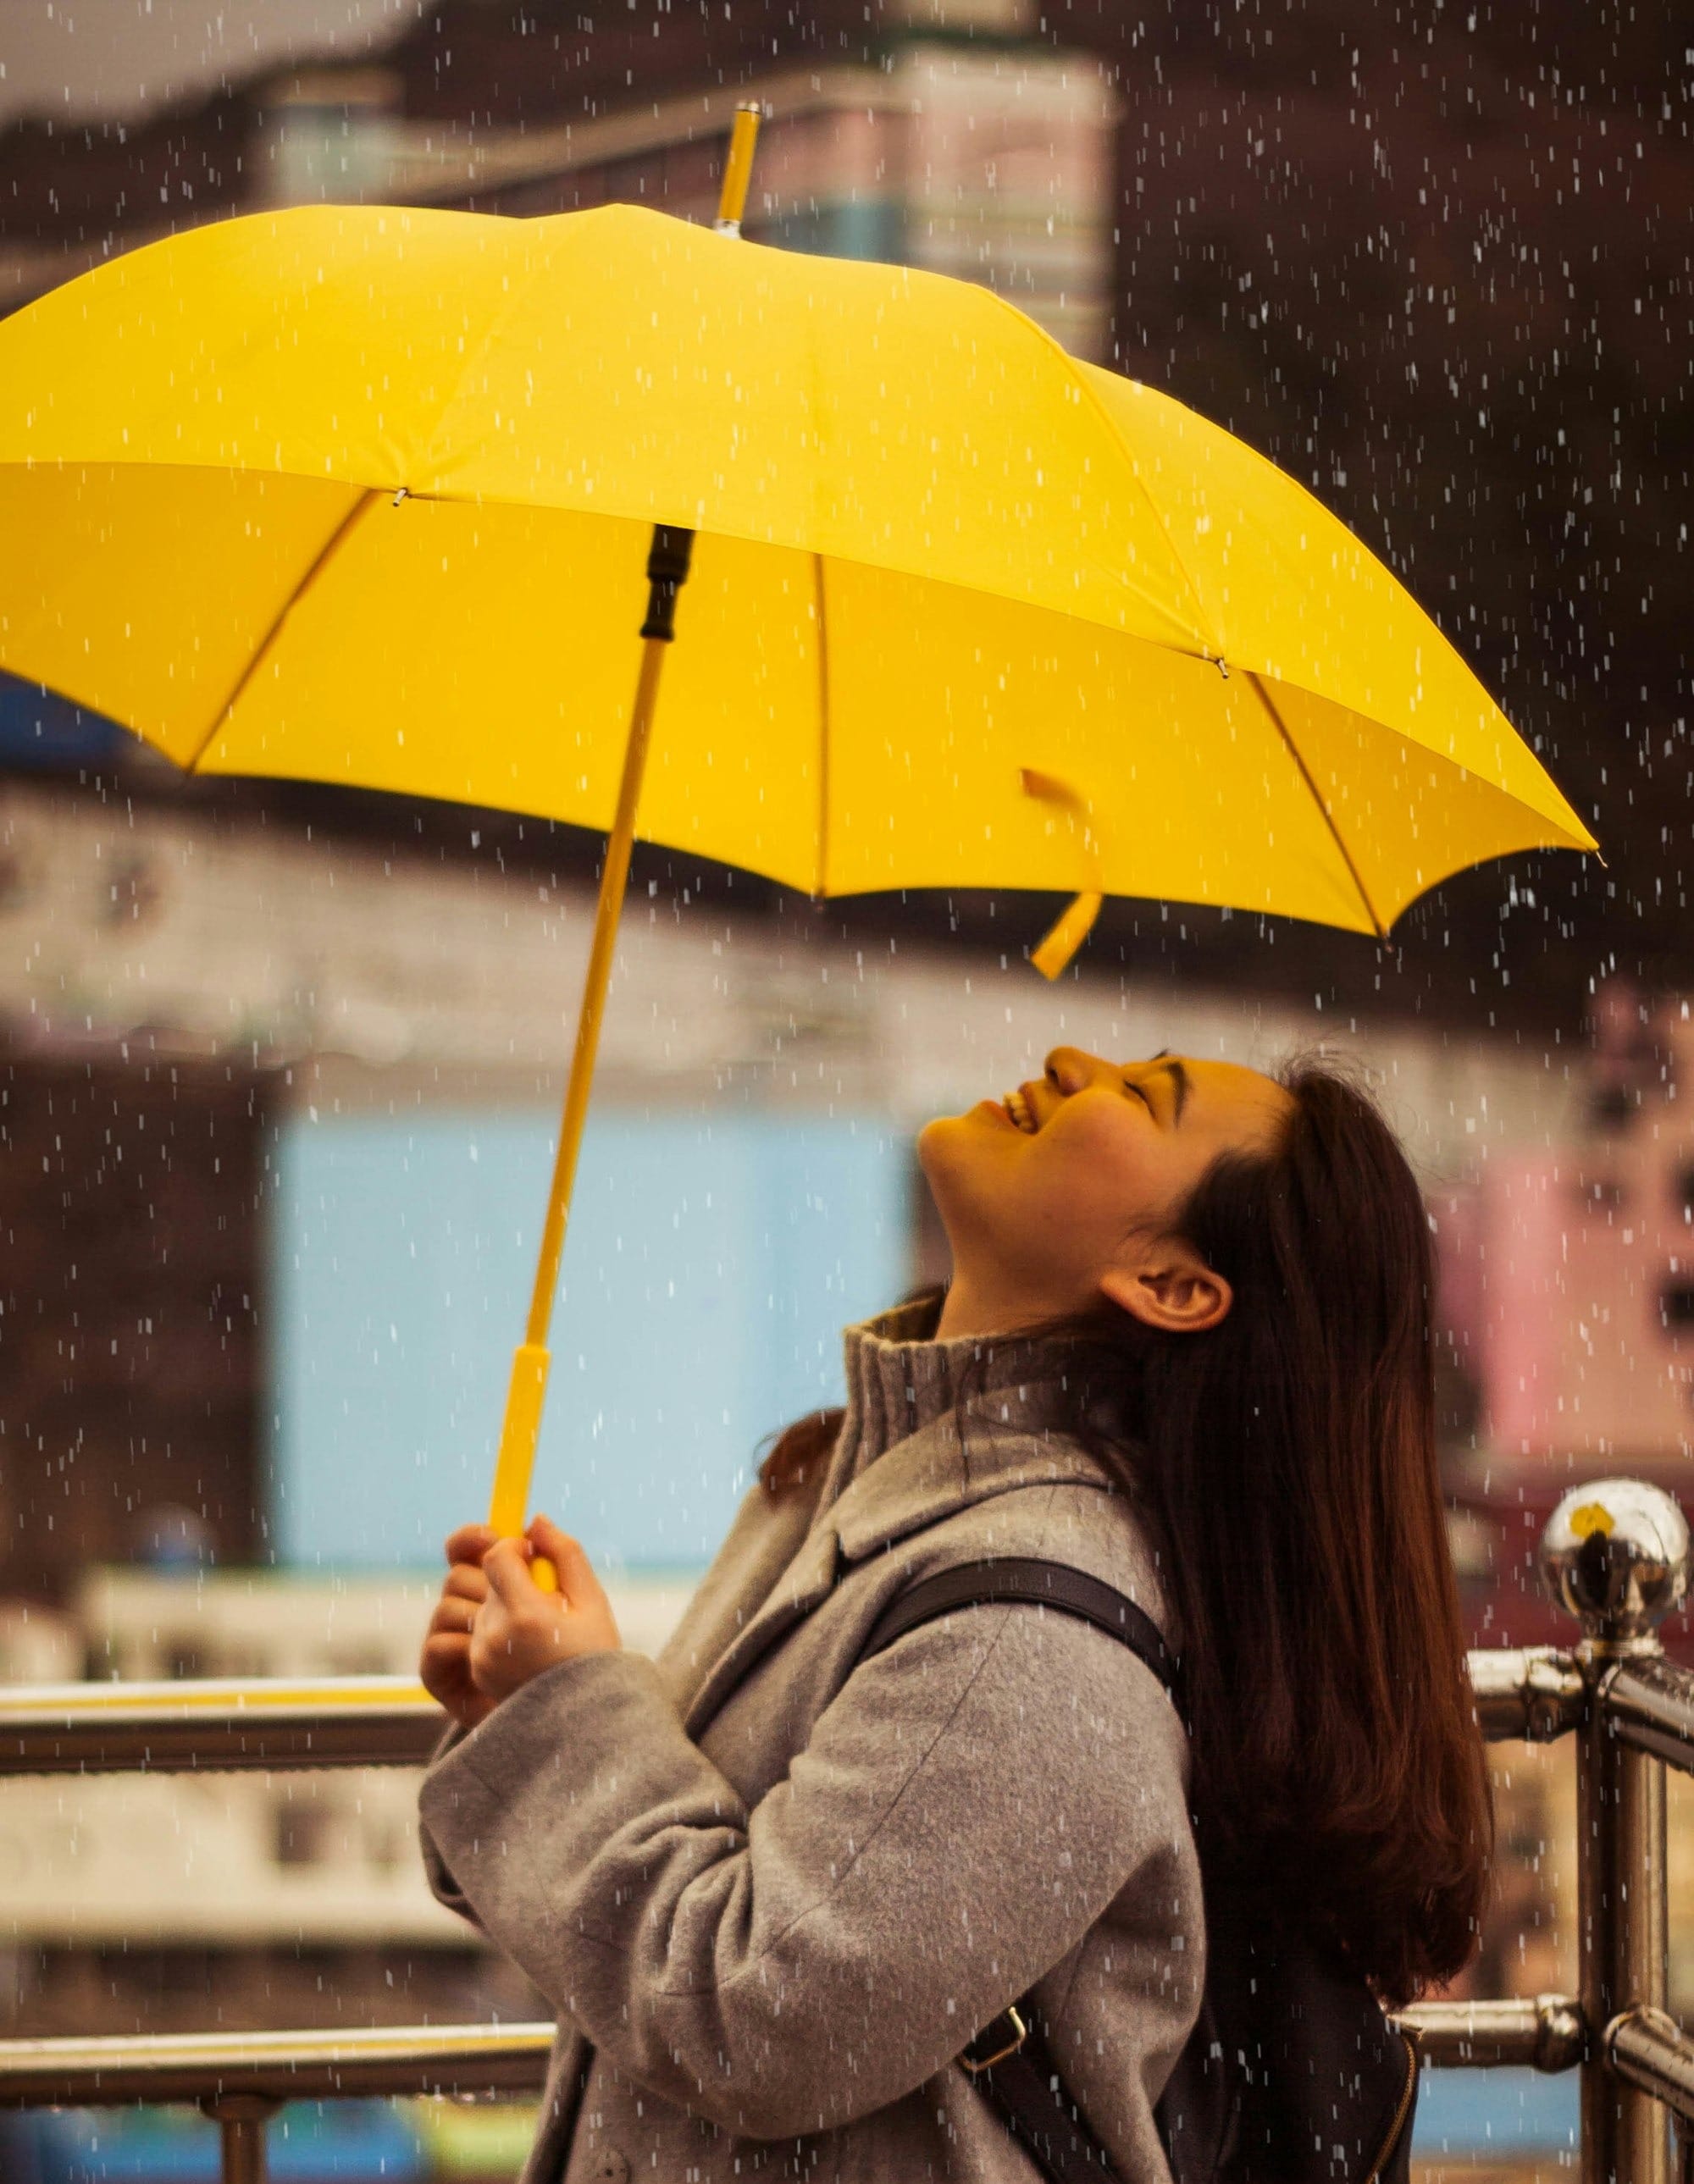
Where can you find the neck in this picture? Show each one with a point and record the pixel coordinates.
(975, 1308)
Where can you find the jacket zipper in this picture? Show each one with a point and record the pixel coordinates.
(1399, 2122)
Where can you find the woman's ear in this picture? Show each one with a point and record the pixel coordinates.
(1171, 1289)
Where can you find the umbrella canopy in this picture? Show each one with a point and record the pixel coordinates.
(365, 495)
(369, 496)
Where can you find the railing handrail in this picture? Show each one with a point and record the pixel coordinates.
(276, 1724)
(1536, 1693)
(272, 1723)
(240, 2079)
(279, 2066)
(1649, 2050)
(1649, 1703)
(1545, 2032)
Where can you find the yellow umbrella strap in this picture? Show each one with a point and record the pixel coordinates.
(1066, 935)
(1076, 922)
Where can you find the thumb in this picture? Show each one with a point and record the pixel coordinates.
(576, 1579)
(506, 1567)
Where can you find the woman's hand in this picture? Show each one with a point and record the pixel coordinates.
(519, 1629)
(445, 1667)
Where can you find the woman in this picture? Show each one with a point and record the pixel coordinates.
(773, 1889)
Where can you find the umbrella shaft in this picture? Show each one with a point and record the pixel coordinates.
(613, 878)
(667, 570)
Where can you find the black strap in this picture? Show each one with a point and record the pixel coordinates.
(1008, 2059)
(1029, 2097)
(1040, 1584)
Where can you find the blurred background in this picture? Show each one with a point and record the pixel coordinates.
(280, 1066)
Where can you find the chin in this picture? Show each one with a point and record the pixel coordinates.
(948, 1157)
(960, 1169)
(931, 1143)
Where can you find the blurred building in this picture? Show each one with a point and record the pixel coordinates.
(1567, 1310)
(1570, 1283)
(993, 164)
(979, 152)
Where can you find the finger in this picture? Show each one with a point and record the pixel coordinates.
(577, 1576)
(445, 1661)
(454, 1615)
(466, 1581)
(506, 1567)
(470, 1543)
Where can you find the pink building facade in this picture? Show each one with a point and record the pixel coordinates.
(1567, 1295)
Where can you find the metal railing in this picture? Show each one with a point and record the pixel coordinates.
(1615, 1553)
(240, 2080)
(194, 1728)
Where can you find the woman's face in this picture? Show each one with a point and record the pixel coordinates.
(1063, 1191)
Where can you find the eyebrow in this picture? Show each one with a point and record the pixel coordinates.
(1179, 1077)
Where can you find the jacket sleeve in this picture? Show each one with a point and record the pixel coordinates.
(967, 1806)
(442, 1885)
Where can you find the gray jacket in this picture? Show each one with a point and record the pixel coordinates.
(772, 1893)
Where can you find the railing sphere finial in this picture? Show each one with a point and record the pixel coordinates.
(1615, 1553)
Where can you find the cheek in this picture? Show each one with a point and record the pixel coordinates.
(1112, 1170)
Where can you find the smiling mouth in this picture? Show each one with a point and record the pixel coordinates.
(1017, 1108)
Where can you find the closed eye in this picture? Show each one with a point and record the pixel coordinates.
(1129, 1085)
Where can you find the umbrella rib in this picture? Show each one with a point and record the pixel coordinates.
(822, 728)
(1112, 433)
(1323, 803)
(267, 643)
(1164, 529)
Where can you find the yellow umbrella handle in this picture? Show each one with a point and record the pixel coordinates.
(667, 570)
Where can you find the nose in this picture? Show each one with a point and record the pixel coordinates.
(1069, 1069)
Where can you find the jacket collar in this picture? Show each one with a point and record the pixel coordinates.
(1003, 1434)
(932, 1427)
(1004, 1438)
(902, 1380)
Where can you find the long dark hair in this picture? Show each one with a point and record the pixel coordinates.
(1285, 1461)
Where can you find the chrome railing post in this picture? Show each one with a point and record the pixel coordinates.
(1615, 1553)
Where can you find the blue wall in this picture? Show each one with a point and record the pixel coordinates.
(709, 1267)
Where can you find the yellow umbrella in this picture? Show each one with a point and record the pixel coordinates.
(365, 495)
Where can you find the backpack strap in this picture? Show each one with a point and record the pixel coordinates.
(1008, 2059)
(1039, 1584)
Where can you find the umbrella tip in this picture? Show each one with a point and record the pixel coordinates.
(738, 172)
